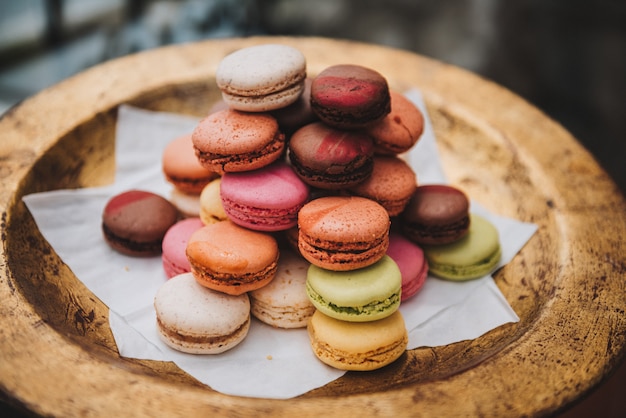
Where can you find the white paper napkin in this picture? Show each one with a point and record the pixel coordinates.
(282, 362)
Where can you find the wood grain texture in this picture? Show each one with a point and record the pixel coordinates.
(568, 284)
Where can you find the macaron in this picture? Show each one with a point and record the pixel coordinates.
(267, 199)
(411, 261)
(366, 294)
(230, 140)
(231, 259)
(391, 184)
(297, 114)
(343, 232)
(475, 255)
(436, 214)
(400, 129)
(188, 204)
(260, 78)
(134, 222)
(330, 158)
(348, 96)
(173, 256)
(194, 319)
(283, 303)
(211, 208)
(182, 168)
(358, 346)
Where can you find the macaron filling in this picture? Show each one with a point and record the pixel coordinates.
(203, 273)
(474, 271)
(203, 340)
(148, 247)
(429, 233)
(239, 162)
(376, 309)
(360, 295)
(334, 177)
(340, 255)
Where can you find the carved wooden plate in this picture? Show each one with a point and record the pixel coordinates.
(568, 284)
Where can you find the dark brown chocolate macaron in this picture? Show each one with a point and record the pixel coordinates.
(350, 96)
(134, 222)
(330, 158)
(436, 214)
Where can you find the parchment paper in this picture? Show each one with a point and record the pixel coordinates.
(269, 363)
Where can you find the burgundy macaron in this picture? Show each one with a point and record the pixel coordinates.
(350, 96)
(135, 222)
(436, 214)
(330, 158)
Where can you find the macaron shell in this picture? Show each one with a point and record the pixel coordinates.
(400, 130)
(182, 168)
(232, 259)
(473, 256)
(365, 294)
(267, 199)
(174, 246)
(197, 320)
(283, 303)
(391, 184)
(412, 264)
(358, 346)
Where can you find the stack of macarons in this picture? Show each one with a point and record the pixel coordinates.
(306, 214)
(458, 245)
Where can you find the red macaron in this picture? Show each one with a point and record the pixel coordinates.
(350, 96)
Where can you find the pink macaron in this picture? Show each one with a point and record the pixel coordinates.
(410, 259)
(267, 199)
(174, 245)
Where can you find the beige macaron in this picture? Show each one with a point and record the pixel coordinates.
(261, 78)
(283, 303)
(197, 320)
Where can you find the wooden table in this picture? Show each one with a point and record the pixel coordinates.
(568, 284)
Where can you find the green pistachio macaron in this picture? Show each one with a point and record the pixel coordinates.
(473, 256)
(365, 294)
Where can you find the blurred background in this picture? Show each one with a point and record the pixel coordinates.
(567, 57)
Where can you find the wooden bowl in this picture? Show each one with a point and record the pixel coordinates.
(57, 353)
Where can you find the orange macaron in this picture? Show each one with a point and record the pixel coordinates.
(182, 168)
(231, 259)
